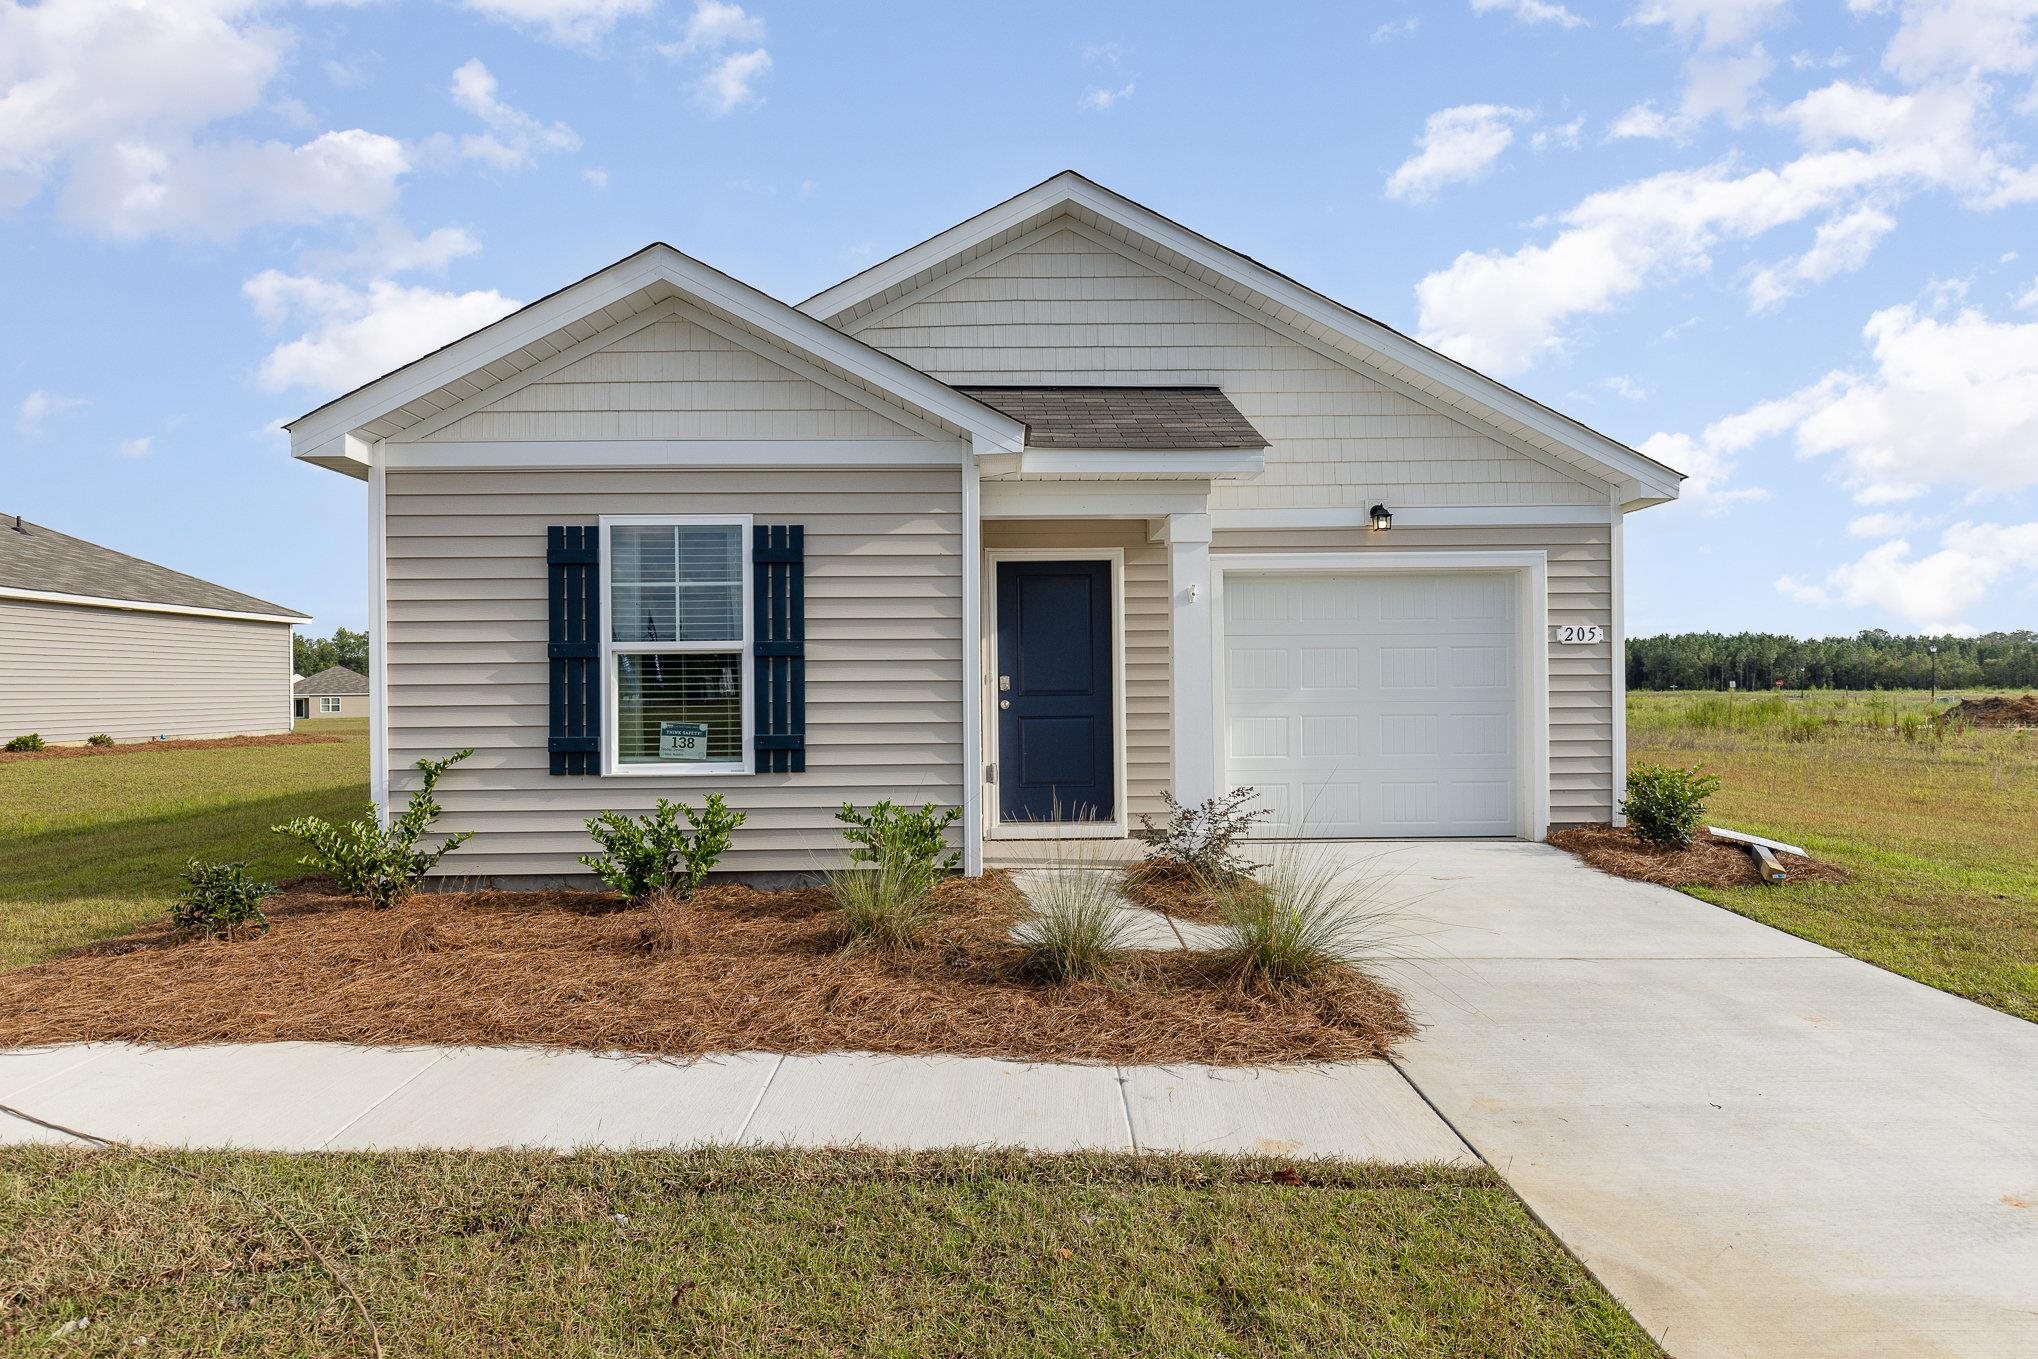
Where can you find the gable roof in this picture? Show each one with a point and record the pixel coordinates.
(39, 563)
(1178, 418)
(1247, 284)
(330, 682)
(335, 434)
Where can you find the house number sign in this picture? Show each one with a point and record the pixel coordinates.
(1580, 634)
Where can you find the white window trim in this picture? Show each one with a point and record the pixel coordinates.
(1530, 570)
(996, 828)
(612, 764)
(324, 699)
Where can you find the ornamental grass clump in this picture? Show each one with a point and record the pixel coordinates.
(1305, 915)
(1077, 931)
(886, 895)
(365, 858)
(643, 855)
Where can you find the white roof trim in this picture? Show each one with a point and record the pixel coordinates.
(1145, 464)
(1655, 481)
(319, 435)
(145, 606)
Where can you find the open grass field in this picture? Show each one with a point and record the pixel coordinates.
(757, 1253)
(90, 847)
(1938, 827)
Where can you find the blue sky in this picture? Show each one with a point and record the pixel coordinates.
(1786, 246)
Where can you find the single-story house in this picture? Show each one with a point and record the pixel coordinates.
(1056, 511)
(333, 692)
(93, 640)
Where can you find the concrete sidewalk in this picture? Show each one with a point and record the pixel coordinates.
(330, 1097)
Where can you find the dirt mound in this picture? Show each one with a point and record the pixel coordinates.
(731, 970)
(1708, 863)
(1998, 710)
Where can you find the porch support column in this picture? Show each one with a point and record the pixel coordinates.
(1192, 670)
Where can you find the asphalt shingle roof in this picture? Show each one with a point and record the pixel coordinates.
(35, 557)
(330, 682)
(1186, 418)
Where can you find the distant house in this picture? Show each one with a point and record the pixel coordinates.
(333, 692)
(93, 640)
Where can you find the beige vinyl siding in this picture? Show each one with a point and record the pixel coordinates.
(1068, 308)
(467, 665)
(672, 379)
(351, 705)
(1581, 677)
(69, 671)
(1148, 739)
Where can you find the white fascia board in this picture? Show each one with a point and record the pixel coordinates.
(1070, 188)
(1093, 500)
(1157, 464)
(343, 453)
(470, 454)
(147, 606)
(1415, 516)
(709, 288)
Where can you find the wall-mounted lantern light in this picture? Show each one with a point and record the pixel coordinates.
(1383, 518)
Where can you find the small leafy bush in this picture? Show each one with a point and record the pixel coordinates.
(26, 741)
(921, 836)
(220, 899)
(1200, 840)
(1664, 804)
(384, 864)
(98, 738)
(654, 853)
(1307, 913)
(1077, 931)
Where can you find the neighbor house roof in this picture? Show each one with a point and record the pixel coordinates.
(39, 563)
(331, 682)
(1238, 281)
(1186, 418)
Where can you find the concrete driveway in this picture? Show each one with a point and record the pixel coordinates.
(1761, 1146)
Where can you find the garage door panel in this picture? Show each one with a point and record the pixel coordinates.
(1371, 704)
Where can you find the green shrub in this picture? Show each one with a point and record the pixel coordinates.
(1664, 805)
(27, 741)
(98, 738)
(921, 836)
(1200, 840)
(1077, 930)
(363, 858)
(1305, 914)
(220, 899)
(888, 903)
(652, 854)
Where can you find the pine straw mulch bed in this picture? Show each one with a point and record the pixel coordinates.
(1167, 887)
(137, 747)
(1707, 863)
(739, 970)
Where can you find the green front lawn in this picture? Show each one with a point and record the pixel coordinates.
(785, 1253)
(92, 846)
(1940, 832)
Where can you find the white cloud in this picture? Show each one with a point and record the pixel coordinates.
(2029, 298)
(1108, 53)
(1710, 460)
(1643, 121)
(1931, 592)
(576, 23)
(136, 448)
(355, 334)
(394, 249)
(1565, 135)
(729, 77)
(1529, 11)
(1098, 99)
(596, 176)
(1840, 246)
(1881, 524)
(1458, 146)
(1625, 387)
(513, 137)
(1503, 311)
(1712, 24)
(40, 407)
(1396, 28)
(1959, 38)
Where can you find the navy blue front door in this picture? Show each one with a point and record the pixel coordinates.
(1053, 691)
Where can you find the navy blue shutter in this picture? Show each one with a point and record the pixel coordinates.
(778, 556)
(573, 585)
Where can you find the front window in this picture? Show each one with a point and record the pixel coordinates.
(678, 644)
(328, 705)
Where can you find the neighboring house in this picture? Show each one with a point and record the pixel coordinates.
(93, 640)
(1059, 510)
(333, 692)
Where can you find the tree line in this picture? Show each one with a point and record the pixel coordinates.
(1870, 660)
(313, 654)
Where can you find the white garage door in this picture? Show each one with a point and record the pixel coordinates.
(1373, 703)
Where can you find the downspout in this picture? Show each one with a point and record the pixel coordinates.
(378, 623)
